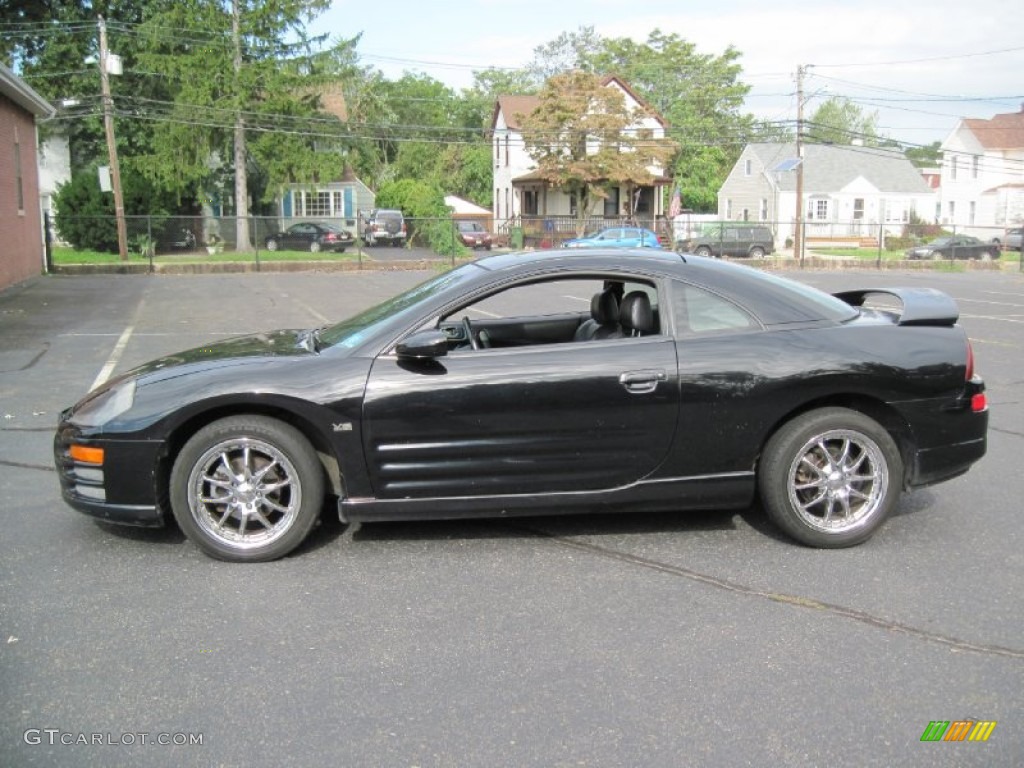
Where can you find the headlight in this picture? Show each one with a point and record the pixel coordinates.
(97, 410)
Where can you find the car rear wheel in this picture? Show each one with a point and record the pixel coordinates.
(985, 256)
(757, 252)
(271, 244)
(830, 477)
(703, 251)
(247, 488)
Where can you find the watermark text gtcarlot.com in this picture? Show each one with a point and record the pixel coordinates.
(55, 736)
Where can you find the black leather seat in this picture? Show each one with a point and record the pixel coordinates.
(636, 315)
(604, 322)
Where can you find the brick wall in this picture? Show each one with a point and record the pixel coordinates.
(21, 244)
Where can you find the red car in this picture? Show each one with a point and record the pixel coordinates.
(473, 235)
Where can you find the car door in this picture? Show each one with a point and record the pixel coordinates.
(297, 237)
(566, 417)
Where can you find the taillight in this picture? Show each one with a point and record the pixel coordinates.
(979, 401)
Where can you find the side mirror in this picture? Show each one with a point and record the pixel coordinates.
(424, 345)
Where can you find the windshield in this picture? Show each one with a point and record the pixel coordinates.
(350, 332)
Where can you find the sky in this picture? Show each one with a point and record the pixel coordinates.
(920, 65)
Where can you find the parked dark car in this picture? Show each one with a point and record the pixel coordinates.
(487, 391)
(1011, 241)
(307, 236)
(616, 237)
(384, 226)
(954, 247)
(473, 235)
(732, 240)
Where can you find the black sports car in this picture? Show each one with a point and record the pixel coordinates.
(307, 236)
(559, 381)
(955, 247)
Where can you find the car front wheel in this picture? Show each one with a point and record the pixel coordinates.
(271, 244)
(830, 477)
(703, 251)
(314, 247)
(757, 252)
(247, 488)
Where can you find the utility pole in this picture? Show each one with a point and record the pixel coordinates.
(108, 124)
(798, 232)
(241, 181)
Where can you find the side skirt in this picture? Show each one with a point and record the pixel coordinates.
(732, 490)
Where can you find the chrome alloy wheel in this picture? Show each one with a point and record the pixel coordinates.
(838, 480)
(244, 492)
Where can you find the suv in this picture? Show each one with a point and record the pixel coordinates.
(1011, 241)
(727, 239)
(383, 225)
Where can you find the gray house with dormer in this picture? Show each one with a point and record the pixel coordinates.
(849, 192)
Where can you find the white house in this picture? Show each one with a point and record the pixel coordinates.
(983, 174)
(848, 191)
(519, 192)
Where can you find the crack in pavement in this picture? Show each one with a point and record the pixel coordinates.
(24, 465)
(777, 597)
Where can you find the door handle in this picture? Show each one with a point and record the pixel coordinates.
(641, 382)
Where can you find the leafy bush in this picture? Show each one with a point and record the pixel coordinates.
(85, 215)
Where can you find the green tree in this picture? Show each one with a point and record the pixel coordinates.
(242, 69)
(839, 121)
(583, 139)
(926, 157)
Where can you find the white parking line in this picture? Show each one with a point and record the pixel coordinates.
(114, 358)
(992, 317)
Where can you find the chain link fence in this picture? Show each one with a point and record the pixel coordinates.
(163, 239)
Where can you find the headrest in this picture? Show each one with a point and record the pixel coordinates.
(604, 308)
(635, 314)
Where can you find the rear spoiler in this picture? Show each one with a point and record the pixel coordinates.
(921, 306)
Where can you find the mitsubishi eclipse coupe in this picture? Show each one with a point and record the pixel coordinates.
(552, 382)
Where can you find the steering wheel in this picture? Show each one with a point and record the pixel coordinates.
(469, 332)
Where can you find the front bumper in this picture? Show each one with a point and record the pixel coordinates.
(121, 489)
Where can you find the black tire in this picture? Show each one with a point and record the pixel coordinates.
(271, 244)
(314, 247)
(272, 480)
(703, 251)
(985, 256)
(837, 500)
(757, 252)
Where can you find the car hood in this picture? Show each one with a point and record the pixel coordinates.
(239, 350)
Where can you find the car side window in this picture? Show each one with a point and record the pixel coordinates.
(553, 312)
(699, 311)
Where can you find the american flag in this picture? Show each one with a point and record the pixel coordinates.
(676, 206)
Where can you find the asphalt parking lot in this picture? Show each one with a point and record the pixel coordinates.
(652, 640)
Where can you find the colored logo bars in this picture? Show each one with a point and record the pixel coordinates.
(958, 730)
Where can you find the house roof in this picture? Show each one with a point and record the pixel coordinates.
(464, 207)
(18, 91)
(831, 167)
(1004, 131)
(513, 106)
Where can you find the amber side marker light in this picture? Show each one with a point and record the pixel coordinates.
(86, 454)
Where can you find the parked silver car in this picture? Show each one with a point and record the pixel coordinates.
(1011, 241)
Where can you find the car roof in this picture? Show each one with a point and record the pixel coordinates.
(776, 300)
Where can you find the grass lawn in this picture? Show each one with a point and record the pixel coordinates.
(64, 255)
(871, 254)
(864, 254)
